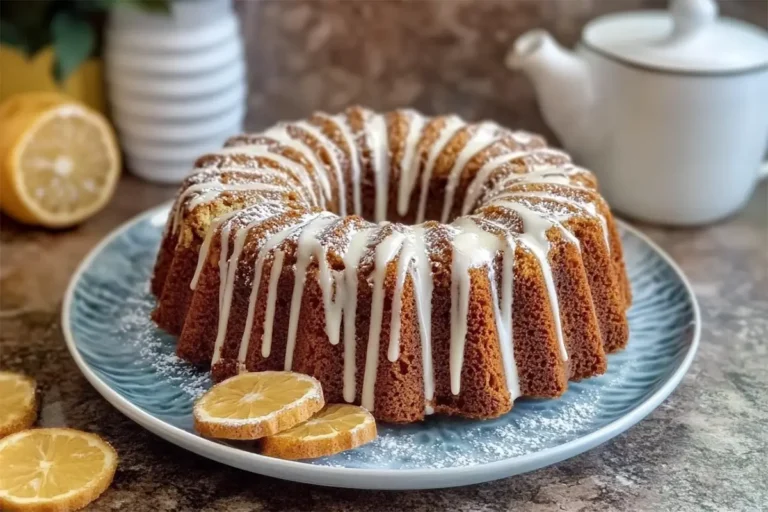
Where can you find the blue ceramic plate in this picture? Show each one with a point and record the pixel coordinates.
(132, 364)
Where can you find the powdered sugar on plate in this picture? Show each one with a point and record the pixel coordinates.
(113, 330)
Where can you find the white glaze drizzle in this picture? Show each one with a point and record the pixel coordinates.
(357, 246)
(378, 141)
(330, 147)
(298, 171)
(534, 238)
(269, 244)
(354, 157)
(228, 265)
(204, 192)
(502, 302)
(450, 128)
(472, 246)
(280, 134)
(202, 256)
(468, 252)
(483, 136)
(410, 161)
(422, 272)
(385, 251)
(227, 269)
(560, 177)
(269, 314)
(475, 188)
(305, 248)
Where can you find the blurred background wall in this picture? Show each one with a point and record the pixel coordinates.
(436, 55)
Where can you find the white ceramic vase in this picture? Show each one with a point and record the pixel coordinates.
(176, 83)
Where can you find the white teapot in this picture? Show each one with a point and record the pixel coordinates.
(670, 109)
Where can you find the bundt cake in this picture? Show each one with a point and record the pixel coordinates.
(414, 265)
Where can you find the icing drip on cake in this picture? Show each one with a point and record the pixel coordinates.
(522, 183)
(451, 127)
(482, 137)
(502, 302)
(480, 180)
(535, 239)
(274, 276)
(357, 246)
(280, 134)
(306, 245)
(378, 141)
(331, 149)
(354, 157)
(409, 163)
(297, 171)
(385, 251)
(468, 253)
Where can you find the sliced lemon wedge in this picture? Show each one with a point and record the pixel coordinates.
(59, 160)
(254, 405)
(18, 403)
(336, 428)
(53, 469)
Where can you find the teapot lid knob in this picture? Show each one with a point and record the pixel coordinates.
(687, 38)
(690, 16)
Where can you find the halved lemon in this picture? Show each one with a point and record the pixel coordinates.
(50, 469)
(18, 402)
(59, 160)
(254, 405)
(336, 428)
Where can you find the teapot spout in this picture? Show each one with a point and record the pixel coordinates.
(563, 87)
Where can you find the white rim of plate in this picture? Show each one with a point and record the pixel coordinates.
(361, 478)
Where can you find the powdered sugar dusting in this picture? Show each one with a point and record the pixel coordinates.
(112, 329)
(452, 442)
(153, 347)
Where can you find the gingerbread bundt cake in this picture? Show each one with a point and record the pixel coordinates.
(413, 265)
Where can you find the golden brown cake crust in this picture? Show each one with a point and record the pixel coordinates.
(275, 257)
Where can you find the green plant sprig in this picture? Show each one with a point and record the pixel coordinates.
(69, 26)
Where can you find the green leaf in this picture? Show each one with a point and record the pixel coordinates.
(11, 36)
(73, 42)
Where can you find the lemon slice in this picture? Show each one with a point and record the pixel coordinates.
(18, 403)
(254, 405)
(53, 469)
(336, 428)
(59, 160)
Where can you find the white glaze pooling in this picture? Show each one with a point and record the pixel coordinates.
(526, 195)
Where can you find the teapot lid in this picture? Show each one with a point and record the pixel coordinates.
(689, 38)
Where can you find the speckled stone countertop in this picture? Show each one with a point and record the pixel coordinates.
(704, 448)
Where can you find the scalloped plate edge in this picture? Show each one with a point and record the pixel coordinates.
(394, 479)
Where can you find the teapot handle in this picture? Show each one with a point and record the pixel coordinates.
(762, 172)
